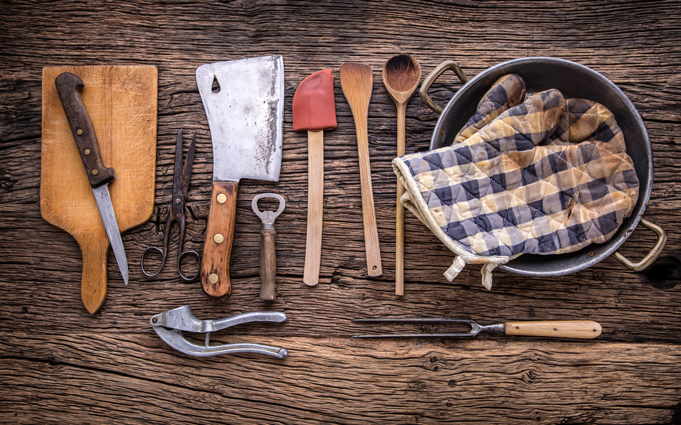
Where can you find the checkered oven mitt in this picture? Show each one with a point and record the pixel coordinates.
(547, 176)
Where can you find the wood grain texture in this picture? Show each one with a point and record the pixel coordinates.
(217, 249)
(121, 102)
(357, 82)
(555, 329)
(315, 206)
(268, 265)
(59, 364)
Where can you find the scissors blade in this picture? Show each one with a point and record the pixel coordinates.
(187, 169)
(177, 173)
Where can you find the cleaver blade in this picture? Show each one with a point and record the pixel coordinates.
(244, 103)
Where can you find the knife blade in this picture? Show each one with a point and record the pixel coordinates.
(68, 87)
(244, 103)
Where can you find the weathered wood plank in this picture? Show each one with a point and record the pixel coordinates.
(113, 367)
(137, 378)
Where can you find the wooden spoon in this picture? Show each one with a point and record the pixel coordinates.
(356, 81)
(401, 77)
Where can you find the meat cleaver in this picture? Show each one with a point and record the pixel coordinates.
(244, 102)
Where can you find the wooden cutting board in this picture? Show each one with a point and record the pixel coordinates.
(122, 103)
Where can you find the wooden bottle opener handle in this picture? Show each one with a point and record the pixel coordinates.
(268, 264)
(219, 236)
(558, 328)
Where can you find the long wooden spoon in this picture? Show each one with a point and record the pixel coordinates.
(401, 77)
(356, 81)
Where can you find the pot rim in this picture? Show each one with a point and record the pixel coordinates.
(628, 227)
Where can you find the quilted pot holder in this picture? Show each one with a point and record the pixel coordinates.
(545, 176)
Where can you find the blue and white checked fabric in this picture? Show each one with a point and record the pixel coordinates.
(546, 176)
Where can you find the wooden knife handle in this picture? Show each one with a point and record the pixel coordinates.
(268, 264)
(69, 86)
(219, 236)
(558, 328)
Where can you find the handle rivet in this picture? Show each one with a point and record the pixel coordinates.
(218, 238)
(213, 278)
(178, 201)
(86, 151)
(222, 198)
(95, 171)
(154, 320)
(79, 131)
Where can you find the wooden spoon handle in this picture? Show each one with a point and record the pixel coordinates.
(559, 328)
(315, 206)
(94, 284)
(399, 225)
(217, 249)
(373, 251)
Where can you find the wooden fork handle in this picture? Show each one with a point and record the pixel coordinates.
(559, 328)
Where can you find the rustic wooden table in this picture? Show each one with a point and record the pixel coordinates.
(59, 364)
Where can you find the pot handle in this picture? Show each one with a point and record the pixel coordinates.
(651, 256)
(430, 79)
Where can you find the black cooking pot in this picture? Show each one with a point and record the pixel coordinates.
(574, 81)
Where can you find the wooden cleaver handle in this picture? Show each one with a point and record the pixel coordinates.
(219, 236)
(557, 328)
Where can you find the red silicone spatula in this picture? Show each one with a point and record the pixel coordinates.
(314, 110)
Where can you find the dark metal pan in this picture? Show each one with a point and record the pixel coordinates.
(574, 81)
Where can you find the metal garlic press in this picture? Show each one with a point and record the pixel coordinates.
(170, 325)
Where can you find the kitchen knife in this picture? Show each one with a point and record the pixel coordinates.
(69, 86)
(244, 103)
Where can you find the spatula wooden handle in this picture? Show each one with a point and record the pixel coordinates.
(219, 236)
(373, 251)
(558, 329)
(315, 206)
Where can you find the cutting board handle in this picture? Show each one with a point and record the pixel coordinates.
(94, 284)
(219, 236)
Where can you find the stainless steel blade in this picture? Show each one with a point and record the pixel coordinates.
(245, 115)
(109, 218)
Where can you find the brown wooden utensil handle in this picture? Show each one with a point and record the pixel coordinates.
(373, 251)
(268, 264)
(69, 86)
(315, 206)
(558, 328)
(93, 287)
(219, 236)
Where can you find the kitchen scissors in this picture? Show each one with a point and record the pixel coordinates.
(181, 178)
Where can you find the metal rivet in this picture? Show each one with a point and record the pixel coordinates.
(86, 151)
(178, 201)
(222, 198)
(79, 131)
(154, 320)
(95, 171)
(213, 278)
(218, 238)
